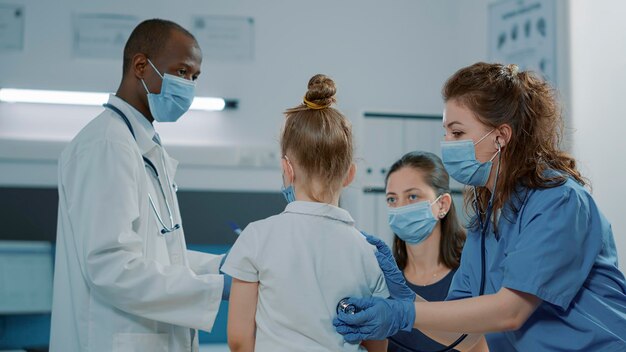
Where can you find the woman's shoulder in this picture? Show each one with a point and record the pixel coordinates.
(565, 190)
(569, 196)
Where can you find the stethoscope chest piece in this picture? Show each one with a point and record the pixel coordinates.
(345, 307)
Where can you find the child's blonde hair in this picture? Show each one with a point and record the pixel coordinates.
(317, 137)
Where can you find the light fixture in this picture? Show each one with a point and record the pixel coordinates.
(36, 96)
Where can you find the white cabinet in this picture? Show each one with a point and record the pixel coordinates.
(382, 144)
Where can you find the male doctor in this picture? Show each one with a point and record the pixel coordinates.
(124, 279)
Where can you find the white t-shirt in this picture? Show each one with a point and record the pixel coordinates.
(305, 260)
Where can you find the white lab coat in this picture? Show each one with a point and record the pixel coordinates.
(119, 284)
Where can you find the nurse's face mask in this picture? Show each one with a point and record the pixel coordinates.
(413, 223)
(174, 100)
(459, 159)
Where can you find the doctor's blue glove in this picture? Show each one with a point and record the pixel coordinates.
(393, 276)
(377, 319)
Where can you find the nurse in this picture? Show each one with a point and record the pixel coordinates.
(551, 281)
(124, 279)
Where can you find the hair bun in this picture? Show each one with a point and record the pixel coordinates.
(321, 91)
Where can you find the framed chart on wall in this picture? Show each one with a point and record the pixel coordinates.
(523, 32)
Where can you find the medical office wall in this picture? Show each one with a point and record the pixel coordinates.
(390, 57)
(385, 56)
(598, 73)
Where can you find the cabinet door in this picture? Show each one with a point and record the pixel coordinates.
(383, 144)
(368, 221)
(424, 135)
(383, 229)
(374, 219)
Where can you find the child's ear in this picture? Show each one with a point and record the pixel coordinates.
(287, 171)
(350, 176)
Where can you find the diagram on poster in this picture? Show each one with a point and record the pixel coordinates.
(523, 32)
(225, 38)
(101, 36)
(11, 28)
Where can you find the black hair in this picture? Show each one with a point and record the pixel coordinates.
(149, 38)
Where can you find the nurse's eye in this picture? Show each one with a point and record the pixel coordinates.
(182, 72)
(412, 197)
(391, 200)
(457, 134)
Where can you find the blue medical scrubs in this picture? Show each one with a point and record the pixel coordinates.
(558, 247)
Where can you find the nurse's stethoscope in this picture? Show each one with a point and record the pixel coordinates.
(164, 228)
(484, 226)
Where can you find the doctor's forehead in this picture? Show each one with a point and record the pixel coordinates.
(182, 49)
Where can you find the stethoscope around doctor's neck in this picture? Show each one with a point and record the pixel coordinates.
(484, 226)
(164, 228)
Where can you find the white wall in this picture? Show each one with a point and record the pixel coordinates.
(384, 56)
(598, 83)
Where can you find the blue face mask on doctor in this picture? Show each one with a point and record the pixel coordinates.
(413, 223)
(459, 159)
(174, 100)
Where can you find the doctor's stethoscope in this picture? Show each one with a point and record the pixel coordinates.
(164, 228)
(484, 226)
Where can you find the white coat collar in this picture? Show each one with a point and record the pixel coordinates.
(320, 209)
(144, 131)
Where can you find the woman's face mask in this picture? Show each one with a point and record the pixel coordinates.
(413, 223)
(459, 151)
(459, 159)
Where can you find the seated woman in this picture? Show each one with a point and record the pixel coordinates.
(428, 237)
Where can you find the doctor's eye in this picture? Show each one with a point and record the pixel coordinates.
(391, 200)
(412, 197)
(182, 72)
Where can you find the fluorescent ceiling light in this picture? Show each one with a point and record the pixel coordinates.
(85, 98)
(52, 97)
(208, 104)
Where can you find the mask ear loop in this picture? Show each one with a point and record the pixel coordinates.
(160, 75)
(483, 137)
(290, 168)
(495, 183)
(441, 214)
(498, 152)
(157, 71)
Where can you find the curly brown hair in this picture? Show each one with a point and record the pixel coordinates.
(498, 94)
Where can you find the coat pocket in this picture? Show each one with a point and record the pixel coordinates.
(140, 342)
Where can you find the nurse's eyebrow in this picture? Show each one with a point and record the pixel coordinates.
(454, 123)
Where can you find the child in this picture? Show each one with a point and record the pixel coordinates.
(290, 270)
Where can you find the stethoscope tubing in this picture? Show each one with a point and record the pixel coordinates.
(165, 229)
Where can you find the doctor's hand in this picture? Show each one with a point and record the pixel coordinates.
(393, 276)
(377, 319)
